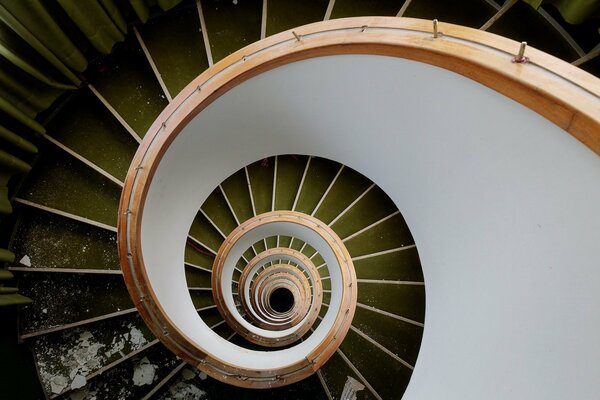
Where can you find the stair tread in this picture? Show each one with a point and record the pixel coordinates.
(124, 78)
(86, 126)
(231, 25)
(399, 337)
(290, 169)
(349, 185)
(176, 44)
(397, 266)
(215, 206)
(197, 278)
(412, 305)
(64, 183)
(377, 367)
(133, 378)
(371, 208)
(44, 240)
(261, 179)
(336, 374)
(61, 356)
(67, 298)
(390, 234)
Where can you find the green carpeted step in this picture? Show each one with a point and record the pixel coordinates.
(202, 298)
(349, 185)
(260, 174)
(473, 13)
(390, 234)
(407, 301)
(64, 183)
(132, 379)
(401, 265)
(196, 277)
(523, 23)
(205, 232)
(290, 169)
(231, 25)
(319, 176)
(215, 206)
(399, 337)
(195, 256)
(236, 190)
(45, 240)
(372, 207)
(287, 14)
(124, 78)
(86, 126)
(357, 8)
(64, 298)
(386, 375)
(176, 45)
(211, 316)
(66, 357)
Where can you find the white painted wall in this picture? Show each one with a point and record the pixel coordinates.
(503, 205)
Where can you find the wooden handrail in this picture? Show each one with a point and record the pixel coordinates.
(563, 94)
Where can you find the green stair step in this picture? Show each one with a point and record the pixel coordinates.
(357, 8)
(290, 169)
(387, 376)
(205, 232)
(231, 25)
(202, 298)
(86, 126)
(372, 207)
(176, 44)
(236, 189)
(473, 13)
(211, 316)
(261, 180)
(349, 185)
(44, 240)
(399, 337)
(523, 23)
(132, 379)
(287, 14)
(64, 183)
(407, 301)
(194, 256)
(125, 79)
(318, 178)
(390, 234)
(60, 356)
(215, 206)
(196, 277)
(397, 266)
(4, 290)
(62, 298)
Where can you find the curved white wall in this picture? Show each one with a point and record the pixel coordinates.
(503, 205)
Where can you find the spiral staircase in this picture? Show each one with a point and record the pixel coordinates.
(84, 326)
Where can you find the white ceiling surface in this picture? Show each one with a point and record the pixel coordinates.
(503, 205)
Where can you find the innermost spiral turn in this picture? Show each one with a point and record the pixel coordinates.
(281, 300)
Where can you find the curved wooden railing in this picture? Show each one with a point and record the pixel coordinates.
(563, 94)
